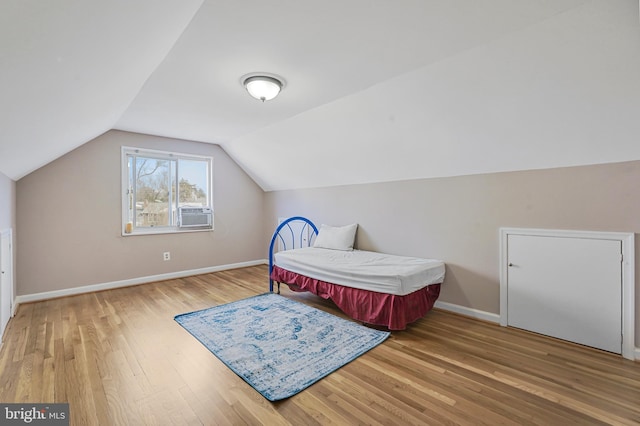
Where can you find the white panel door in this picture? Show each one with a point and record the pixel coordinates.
(568, 288)
(6, 282)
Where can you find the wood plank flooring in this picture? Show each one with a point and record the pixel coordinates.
(118, 358)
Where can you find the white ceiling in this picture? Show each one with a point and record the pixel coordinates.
(376, 90)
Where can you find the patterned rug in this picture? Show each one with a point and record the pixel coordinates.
(277, 345)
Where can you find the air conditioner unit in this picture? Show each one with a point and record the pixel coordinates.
(195, 217)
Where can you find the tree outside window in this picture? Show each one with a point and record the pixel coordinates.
(159, 183)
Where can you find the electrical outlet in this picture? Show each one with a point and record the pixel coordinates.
(166, 255)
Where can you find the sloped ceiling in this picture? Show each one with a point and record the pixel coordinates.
(376, 90)
(69, 70)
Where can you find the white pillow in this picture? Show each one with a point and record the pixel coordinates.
(336, 237)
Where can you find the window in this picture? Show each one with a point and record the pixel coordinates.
(156, 185)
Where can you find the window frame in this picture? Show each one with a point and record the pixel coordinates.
(125, 153)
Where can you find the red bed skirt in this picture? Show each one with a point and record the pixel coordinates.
(370, 307)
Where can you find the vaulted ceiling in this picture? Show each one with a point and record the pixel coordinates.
(376, 90)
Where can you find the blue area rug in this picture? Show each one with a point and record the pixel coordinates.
(277, 345)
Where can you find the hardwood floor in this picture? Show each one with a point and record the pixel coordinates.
(118, 358)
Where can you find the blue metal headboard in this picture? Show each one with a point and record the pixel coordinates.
(294, 238)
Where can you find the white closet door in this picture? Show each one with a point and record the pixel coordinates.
(569, 288)
(6, 282)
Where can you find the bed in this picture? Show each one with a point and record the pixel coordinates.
(374, 288)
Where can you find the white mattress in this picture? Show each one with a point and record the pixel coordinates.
(383, 273)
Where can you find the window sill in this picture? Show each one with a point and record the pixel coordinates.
(165, 230)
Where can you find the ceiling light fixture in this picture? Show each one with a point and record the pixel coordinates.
(263, 87)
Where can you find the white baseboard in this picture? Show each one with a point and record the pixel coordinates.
(462, 310)
(486, 316)
(469, 312)
(133, 281)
